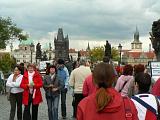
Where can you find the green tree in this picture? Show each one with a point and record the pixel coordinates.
(115, 54)
(7, 63)
(9, 31)
(97, 54)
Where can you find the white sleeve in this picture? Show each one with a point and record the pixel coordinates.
(9, 81)
(17, 83)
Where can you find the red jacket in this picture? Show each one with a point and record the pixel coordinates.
(113, 111)
(156, 88)
(88, 86)
(37, 79)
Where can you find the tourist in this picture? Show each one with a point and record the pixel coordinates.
(52, 86)
(15, 93)
(76, 80)
(137, 69)
(63, 75)
(156, 88)
(146, 103)
(106, 103)
(31, 83)
(88, 86)
(125, 83)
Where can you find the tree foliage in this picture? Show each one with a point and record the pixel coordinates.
(97, 54)
(9, 31)
(7, 63)
(115, 54)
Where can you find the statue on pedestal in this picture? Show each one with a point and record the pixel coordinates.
(107, 50)
(155, 38)
(38, 51)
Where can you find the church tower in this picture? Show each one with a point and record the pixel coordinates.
(136, 44)
(61, 45)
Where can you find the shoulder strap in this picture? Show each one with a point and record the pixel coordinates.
(158, 108)
(127, 107)
(123, 86)
(146, 105)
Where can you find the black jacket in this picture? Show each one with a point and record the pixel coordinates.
(57, 83)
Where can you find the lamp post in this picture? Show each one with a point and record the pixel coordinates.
(120, 51)
(32, 49)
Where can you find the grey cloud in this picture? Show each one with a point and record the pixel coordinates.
(87, 19)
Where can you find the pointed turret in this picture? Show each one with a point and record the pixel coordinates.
(88, 47)
(136, 35)
(60, 36)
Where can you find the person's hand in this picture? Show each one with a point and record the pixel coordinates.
(51, 86)
(66, 89)
(31, 85)
(54, 89)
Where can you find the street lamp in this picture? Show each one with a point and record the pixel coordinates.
(32, 49)
(120, 50)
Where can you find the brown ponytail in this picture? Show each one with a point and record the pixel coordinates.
(102, 99)
(103, 76)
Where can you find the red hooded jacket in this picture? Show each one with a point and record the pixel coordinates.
(156, 88)
(113, 111)
(37, 79)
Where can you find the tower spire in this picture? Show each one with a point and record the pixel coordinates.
(136, 35)
(88, 47)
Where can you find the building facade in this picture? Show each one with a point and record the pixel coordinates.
(136, 55)
(61, 45)
(23, 53)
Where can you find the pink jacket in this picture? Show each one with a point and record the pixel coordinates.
(120, 82)
(88, 86)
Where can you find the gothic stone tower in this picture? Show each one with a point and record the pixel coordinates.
(61, 45)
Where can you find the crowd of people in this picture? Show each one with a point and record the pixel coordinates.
(99, 93)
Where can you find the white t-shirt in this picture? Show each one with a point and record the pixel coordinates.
(30, 78)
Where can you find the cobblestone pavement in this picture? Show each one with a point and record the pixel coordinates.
(42, 114)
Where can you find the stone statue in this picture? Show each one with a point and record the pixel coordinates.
(155, 38)
(44, 58)
(107, 50)
(79, 54)
(38, 51)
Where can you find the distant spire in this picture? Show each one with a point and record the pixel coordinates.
(136, 35)
(149, 47)
(60, 36)
(67, 37)
(88, 48)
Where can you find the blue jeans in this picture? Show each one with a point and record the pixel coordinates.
(53, 103)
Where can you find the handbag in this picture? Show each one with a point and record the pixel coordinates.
(9, 94)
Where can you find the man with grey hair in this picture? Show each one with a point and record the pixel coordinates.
(76, 80)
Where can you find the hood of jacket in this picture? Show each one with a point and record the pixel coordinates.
(116, 102)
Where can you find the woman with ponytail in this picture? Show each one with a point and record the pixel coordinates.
(106, 103)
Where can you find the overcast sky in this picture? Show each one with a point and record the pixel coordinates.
(88, 20)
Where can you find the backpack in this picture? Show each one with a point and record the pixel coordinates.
(127, 107)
